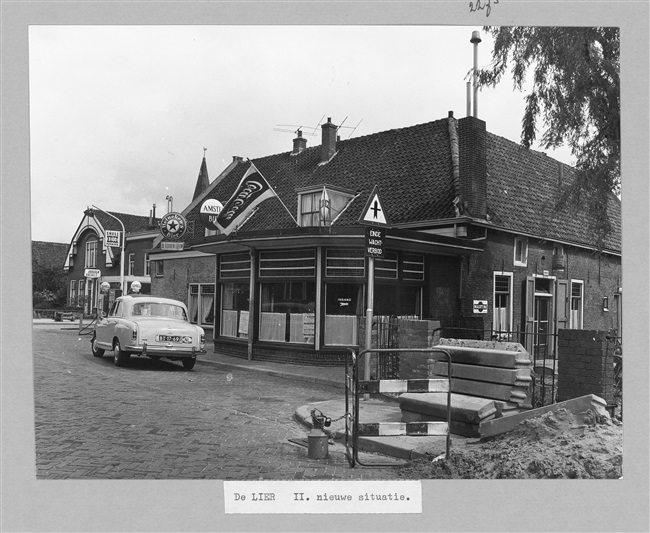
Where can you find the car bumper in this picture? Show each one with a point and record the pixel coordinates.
(162, 351)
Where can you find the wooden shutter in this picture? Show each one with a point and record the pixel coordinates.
(562, 301)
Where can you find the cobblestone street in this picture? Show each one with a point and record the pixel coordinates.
(155, 420)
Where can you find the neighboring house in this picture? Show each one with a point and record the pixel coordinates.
(91, 261)
(477, 239)
(47, 277)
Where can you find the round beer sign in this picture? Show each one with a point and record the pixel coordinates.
(209, 212)
(173, 226)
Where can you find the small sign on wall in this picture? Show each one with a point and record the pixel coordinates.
(480, 306)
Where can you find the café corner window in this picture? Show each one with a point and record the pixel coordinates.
(343, 308)
(287, 312)
(234, 309)
(521, 251)
(345, 263)
(91, 254)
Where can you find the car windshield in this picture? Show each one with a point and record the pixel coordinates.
(157, 309)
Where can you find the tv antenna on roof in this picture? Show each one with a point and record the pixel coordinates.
(297, 131)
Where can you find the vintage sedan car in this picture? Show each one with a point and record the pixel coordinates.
(144, 325)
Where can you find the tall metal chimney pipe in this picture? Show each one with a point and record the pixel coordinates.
(476, 38)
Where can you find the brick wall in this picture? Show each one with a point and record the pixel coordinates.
(178, 275)
(601, 276)
(585, 365)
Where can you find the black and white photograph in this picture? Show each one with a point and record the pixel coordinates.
(322, 263)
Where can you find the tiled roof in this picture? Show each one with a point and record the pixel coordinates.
(132, 223)
(49, 254)
(524, 190)
(412, 167)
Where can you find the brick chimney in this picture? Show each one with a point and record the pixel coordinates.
(299, 143)
(472, 138)
(328, 146)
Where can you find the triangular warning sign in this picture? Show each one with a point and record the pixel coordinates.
(374, 212)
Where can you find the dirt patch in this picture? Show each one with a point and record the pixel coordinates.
(558, 444)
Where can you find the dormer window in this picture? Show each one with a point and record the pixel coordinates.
(321, 206)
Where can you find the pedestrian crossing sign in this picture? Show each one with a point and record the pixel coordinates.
(374, 213)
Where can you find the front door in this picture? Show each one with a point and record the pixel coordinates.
(541, 327)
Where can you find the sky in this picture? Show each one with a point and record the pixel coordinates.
(120, 115)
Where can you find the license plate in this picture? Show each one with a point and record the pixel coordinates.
(168, 338)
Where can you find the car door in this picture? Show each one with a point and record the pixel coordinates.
(105, 330)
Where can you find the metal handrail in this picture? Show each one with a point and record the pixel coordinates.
(355, 359)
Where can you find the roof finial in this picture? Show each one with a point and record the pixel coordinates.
(204, 151)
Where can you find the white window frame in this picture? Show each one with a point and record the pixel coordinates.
(91, 254)
(510, 298)
(572, 324)
(522, 259)
(147, 265)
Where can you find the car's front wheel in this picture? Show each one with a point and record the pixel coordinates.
(119, 356)
(97, 352)
(188, 364)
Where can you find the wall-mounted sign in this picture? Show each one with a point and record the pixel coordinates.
(176, 246)
(209, 212)
(375, 238)
(92, 273)
(173, 226)
(112, 238)
(480, 306)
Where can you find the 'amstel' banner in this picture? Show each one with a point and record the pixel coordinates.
(253, 189)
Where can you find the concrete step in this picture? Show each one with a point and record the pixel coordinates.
(466, 409)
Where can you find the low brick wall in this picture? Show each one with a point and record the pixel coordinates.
(585, 365)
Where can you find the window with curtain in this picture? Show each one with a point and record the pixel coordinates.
(287, 311)
(234, 309)
(343, 307)
(201, 304)
(575, 316)
(502, 305)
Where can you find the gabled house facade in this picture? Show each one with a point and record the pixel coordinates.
(95, 252)
(477, 241)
